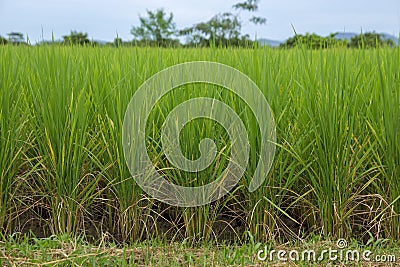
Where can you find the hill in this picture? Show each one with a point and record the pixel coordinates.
(349, 35)
(269, 42)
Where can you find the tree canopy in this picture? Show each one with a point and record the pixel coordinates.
(250, 6)
(222, 29)
(370, 40)
(16, 38)
(313, 41)
(76, 38)
(157, 27)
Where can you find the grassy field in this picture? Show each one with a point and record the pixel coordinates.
(66, 251)
(335, 174)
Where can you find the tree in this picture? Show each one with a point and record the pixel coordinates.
(219, 30)
(313, 41)
(223, 29)
(76, 38)
(157, 27)
(370, 40)
(15, 37)
(251, 6)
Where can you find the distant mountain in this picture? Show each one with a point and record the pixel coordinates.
(349, 35)
(269, 42)
(345, 35)
(100, 42)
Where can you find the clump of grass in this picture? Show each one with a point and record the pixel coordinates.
(14, 139)
(60, 108)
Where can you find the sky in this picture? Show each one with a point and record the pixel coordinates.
(103, 19)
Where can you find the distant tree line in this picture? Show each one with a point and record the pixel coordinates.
(370, 39)
(77, 38)
(158, 28)
(314, 41)
(204, 37)
(15, 38)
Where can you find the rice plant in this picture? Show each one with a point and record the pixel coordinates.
(14, 139)
(59, 105)
(336, 165)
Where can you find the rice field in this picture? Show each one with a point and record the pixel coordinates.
(335, 173)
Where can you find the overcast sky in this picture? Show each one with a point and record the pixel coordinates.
(103, 18)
